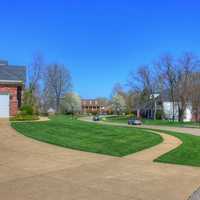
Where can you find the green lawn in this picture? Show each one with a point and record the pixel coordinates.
(188, 153)
(110, 140)
(85, 136)
(124, 119)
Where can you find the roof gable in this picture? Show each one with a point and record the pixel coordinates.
(12, 73)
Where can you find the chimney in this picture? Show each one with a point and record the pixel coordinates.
(3, 63)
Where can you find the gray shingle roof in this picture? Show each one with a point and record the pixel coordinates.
(12, 73)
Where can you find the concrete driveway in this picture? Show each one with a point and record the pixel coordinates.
(31, 170)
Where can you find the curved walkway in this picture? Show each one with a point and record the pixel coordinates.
(33, 170)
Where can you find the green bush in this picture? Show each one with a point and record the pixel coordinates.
(26, 110)
(22, 117)
(95, 113)
(159, 114)
(121, 117)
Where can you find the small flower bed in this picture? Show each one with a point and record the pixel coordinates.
(22, 117)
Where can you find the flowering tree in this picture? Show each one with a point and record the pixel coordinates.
(118, 104)
(71, 103)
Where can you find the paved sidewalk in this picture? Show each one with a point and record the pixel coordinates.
(32, 170)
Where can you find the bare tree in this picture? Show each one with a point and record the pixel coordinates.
(186, 67)
(160, 90)
(118, 89)
(35, 70)
(32, 92)
(103, 101)
(176, 80)
(170, 77)
(129, 101)
(133, 102)
(143, 85)
(195, 95)
(168, 71)
(58, 82)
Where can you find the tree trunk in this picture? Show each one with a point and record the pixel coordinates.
(180, 115)
(196, 116)
(57, 104)
(138, 113)
(173, 105)
(155, 110)
(173, 111)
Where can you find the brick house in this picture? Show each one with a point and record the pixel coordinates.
(96, 106)
(92, 106)
(12, 81)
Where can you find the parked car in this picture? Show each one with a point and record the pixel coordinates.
(134, 122)
(96, 118)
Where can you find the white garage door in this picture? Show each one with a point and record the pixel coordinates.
(4, 105)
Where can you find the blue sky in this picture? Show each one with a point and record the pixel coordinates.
(99, 41)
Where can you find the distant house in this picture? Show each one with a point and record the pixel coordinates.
(165, 105)
(12, 81)
(92, 106)
(168, 111)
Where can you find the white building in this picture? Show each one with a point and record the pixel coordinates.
(168, 111)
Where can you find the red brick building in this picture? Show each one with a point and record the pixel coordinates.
(12, 80)
(92, 106)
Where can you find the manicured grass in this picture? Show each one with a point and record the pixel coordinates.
(110, 140)
(188, 153)
(124, 119)
(170, 123)
(86, 136)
